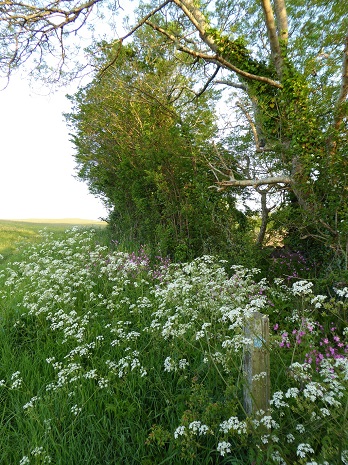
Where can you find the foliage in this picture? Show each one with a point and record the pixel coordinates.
(109, 358)
(143, 146)
(284, 70)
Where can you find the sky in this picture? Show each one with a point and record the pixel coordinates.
(36, 158)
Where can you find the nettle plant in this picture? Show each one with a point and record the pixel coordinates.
(148, 356)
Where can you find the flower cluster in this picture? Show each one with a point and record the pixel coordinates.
(119, 324)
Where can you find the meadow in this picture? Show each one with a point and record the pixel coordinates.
(112, 356)
(15, 233)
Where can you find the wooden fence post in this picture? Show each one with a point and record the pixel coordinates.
(256, 364)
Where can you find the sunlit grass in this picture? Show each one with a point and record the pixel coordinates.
(14, 233)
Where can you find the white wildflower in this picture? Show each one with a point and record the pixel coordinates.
(224, 448)
(180, 431)
(278, 458)
(103, 383)
(198, 427)
(169, 364)
(303, 449)
(183, 363)
(342, 292)
(312, 391)
(325, 412)
(24, 460)
(234, 424)
(31, 402)
(318, 300)
(75, 409)
(16, 380)
(300, 428)
(302, 288)
(200, 335)
(292, 392)
(268, 421)
(265, 439)
(37, 451)
(277, 400)
(259, 376)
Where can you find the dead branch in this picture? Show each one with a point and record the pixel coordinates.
(254, 182)
(226, 82)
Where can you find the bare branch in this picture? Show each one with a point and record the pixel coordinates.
(216, 150)
(29, 29)
(144, 20)
(226, 82)
(217, 59)
(282, 20)
(216, 171)
(198, 20)
(252, 125)
(344, 86)
(206, 85)
(131, 32)
(254, 182)
(272, 34)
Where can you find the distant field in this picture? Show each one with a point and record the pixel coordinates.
(69, 221)
(15, 232)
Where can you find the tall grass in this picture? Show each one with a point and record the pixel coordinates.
(108, 357)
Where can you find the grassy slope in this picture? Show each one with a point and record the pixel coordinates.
(14, 232)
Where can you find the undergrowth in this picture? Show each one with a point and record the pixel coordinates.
(108, 357)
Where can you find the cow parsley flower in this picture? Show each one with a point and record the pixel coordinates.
(234, 424)
(224, 448)
(24, 460)
(302, 288)
(198, 428)
(180, 431)
(303, 449)
(169, 364)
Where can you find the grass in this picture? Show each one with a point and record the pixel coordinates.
(108, 357)
(14, 233)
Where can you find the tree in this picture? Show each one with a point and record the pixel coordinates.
(286, 65)
(142, 144)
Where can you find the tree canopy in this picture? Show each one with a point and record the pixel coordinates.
(282, 65)
(143, 144)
